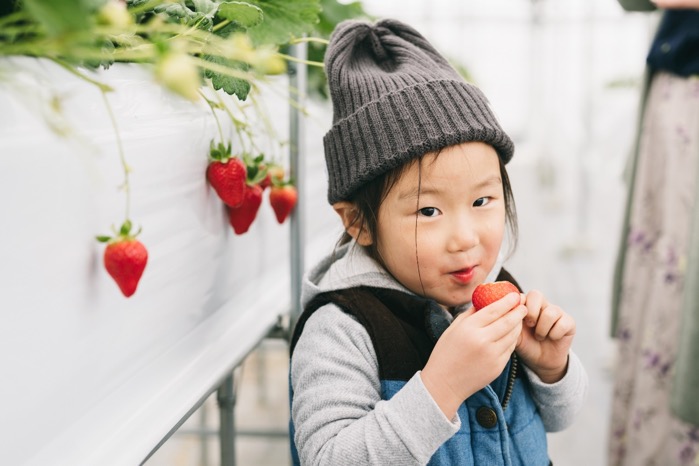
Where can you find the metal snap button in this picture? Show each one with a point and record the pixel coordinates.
(486, 417)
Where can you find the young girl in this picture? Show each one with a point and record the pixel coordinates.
(390, 365)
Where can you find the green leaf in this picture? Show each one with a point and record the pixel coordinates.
(103, 239)
(284, 20)
(125, 228)
(231, 85)
(244, 14)
(205, 7)
(64, 16)
(334, 13)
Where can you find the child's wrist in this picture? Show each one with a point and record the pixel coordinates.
(441, 393)
(550, 376)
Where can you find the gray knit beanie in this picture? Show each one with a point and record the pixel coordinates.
(394, 99)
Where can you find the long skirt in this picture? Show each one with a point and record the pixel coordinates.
(643, 430)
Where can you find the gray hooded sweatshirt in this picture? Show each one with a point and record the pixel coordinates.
(337, 411)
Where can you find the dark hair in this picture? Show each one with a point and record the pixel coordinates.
(369, 199)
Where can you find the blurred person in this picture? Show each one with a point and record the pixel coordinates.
(655, 309)
(390, 363)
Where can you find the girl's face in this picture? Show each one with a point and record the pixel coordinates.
(444, 242)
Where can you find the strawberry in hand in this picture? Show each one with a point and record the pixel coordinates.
(226, 174)
(241, 217)
(125, 258)
(282, 198)
(488, 293)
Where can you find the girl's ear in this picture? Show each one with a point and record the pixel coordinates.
(352, 220)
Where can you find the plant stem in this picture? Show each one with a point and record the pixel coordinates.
(298, 60)
(122, 158)
(222, 24)
(301, 40)
(102, 87)
(213, 112)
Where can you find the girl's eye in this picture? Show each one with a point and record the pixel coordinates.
(429, 211)
(481, 201)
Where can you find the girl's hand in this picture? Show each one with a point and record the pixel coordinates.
(672, 4)
(472, 352)
(547, 333)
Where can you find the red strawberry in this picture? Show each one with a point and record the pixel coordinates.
(241, 217)
(228, 180)
(283, 199)
(487, 293)
(275, 173)
(226, 175)
(125, 259)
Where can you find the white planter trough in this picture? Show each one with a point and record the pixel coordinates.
(89, 376)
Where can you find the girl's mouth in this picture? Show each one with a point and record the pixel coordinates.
(464, 275)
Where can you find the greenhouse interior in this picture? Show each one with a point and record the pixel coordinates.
(148, 318)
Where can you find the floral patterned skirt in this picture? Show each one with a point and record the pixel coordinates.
(643, 430)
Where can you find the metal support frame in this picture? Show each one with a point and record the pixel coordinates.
(226, 395)
(297, 84)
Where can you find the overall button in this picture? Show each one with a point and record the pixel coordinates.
(486, 417)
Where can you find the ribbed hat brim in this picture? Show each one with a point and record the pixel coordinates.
(403, 125)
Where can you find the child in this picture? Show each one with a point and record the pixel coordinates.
(381, 371)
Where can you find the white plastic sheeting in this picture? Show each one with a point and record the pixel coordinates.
(88, 376)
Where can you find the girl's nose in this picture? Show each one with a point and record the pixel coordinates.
(462, 235)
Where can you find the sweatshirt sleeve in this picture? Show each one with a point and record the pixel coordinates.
(339, 417)
(560, 402)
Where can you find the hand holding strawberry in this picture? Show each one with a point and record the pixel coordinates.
(547, 334)
(125, 258)
(472, 352)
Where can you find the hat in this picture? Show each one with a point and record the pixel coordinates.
(394, 99)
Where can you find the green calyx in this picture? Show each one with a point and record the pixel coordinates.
(256, 168)
(124, 234)
(220, 152)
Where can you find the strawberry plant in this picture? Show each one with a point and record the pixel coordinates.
(191, 46)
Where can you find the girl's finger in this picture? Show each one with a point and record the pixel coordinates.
(535, 301)
(548, 317)
(493, 312)
(512, 321)
(564, 327)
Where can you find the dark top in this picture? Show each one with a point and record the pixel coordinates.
(676, 44)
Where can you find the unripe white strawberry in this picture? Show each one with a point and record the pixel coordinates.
(177, 72)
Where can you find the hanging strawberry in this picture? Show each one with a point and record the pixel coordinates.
(241, 217)
(125, 258)
(282, 198)
(226, 174)
(275, 173)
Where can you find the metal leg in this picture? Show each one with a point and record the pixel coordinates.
(226, 405)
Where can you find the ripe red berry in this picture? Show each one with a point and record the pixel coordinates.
(488, 293)
(228, 180)
(282, 199)
(241, 217)
(125, 260)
